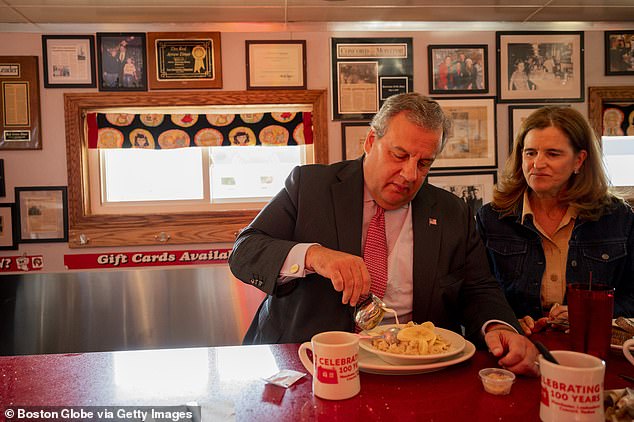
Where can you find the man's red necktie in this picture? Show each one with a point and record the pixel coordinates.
(375, 253)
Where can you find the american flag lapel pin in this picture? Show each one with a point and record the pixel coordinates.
(432, 221)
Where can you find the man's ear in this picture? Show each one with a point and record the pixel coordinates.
(369, 141)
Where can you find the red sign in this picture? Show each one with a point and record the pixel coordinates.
(21, 263)
(146, 259)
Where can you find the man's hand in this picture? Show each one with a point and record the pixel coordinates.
(516, 352)
(347, 272)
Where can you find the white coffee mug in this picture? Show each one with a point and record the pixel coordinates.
(334, 365)
(572, 390)
(627, 352)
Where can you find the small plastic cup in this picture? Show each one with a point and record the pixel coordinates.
(497, 381)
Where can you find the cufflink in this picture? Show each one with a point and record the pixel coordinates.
(294, 268)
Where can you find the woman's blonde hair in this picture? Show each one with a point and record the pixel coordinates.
(588, 190)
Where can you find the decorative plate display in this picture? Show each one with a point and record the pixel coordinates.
(141, 138)
(184, 120)
(251, 117)
(208, 138)
(241, 136)
(151, 120)
(109, 137)
(298, 134)
(274, 135)
(173, 138)
(283, 117)
(220, 119)
(119, 119)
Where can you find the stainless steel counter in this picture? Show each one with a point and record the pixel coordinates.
(123, 310)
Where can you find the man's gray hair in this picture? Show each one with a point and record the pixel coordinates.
(420, 110)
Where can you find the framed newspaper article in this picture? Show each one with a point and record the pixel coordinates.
(69, 61)
(42, 214)
(367, 71)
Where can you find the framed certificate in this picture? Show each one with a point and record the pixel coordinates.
(185, 60)
(69, 61)
(276, 64)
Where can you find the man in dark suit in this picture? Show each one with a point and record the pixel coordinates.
(304, 248)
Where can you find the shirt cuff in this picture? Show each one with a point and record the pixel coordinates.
(293, 266)
(495, 321)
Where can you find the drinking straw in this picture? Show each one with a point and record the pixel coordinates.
(590, 287)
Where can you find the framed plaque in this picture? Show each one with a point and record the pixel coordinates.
(69, 61)
(187, 60)
(276, 64)
(20, 103)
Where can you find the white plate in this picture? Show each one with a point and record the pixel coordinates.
(372, 364)
(619, 346)
(456, 345)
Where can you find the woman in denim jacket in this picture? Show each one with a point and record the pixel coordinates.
(553, 220)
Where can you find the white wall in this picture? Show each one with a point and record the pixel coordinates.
(47, 167)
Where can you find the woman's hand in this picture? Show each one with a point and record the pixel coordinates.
(558, 317)
(530, 326)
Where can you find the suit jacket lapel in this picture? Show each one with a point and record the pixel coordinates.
(347, 198)
(427, 235)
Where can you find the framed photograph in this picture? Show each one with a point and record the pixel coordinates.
(184, 60)
(367, 71)
(122, 62)
(276, 64)
(20, 127)
(471, 140)
(517, 115)
(8, 235)
(353, 136)
(619, 53)
(474, 188)
(3, 190)
(458, 69)
(540, 66)
(42, 214)
(611, 110)
(69, 61)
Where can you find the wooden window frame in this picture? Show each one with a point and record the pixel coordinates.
(597, 95)
(87, 230)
